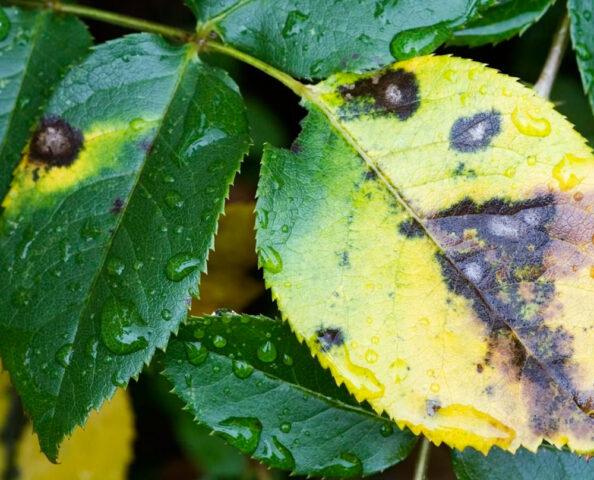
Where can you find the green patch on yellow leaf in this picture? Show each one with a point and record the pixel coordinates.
(432, 242)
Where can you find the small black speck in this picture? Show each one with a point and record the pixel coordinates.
(370, 175)
(117, 206)
(344, 261)
(330, 337)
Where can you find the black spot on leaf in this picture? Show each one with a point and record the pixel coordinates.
(394, 92)
(472, 134)
(330, 337)
(411, 229)
(117, 206)
(55, 143)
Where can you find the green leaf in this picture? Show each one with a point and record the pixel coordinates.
(548, 463)
(101, 248)
(37, 50)
(500, 20)
(581, 13)
(251, 381)
(312, 39)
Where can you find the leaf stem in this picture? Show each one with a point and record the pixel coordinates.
(422, 463)
(295, 85)
(545, 82)
(108, 17)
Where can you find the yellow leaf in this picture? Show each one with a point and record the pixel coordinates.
(230, 282)
(432, 243)
(100, 450)
(4, 412)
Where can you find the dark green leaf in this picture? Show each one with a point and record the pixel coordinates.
(500, 20)
(251, 381)
(38, 47)
(313, 38)
(548, 463)
(581, 13)
(99, 257)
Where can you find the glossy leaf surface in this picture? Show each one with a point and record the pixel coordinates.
(109, 221)
(251, 381)
(548, 463)
(443, 270)
(582, 33)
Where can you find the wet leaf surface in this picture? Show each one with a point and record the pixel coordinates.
(581, 13)
(108, 223)
(251, 381)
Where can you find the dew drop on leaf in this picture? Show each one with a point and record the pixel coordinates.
(122, 328)
(166, 314)
(4, 24)
(530, 124)
(418, 41)
(181, 265)
(287, 360)
(241, 432)
(267, 352)
(219, 341)
(174, 200)
(115, 267)
(386, 430)
(271, 260)
(277, 455)
(196, 353)
(64, 354)
(346, 465)
(286, 427)
(242, 369)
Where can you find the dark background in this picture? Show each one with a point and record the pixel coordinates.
(275, 113)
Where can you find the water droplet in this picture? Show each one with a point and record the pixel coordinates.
(21, 297)
(565, 172)
(122, 328)
(219, 341)
(400, 369)
(510, 172)
(434, 387)
(241, 432)
(64, 354)
(4, 24)
(263, 218)
(346, 465)
(294, 23)
(91, 348)
(418, 41)
(115, 267)
(371, 356)
(174, 200)
(138, 124)
(196, 353)
(386, 430)
(583, 52)
(267, 352)
(199, 333)
(530, 124)
(242, 369)
(90, 232)
(271, 260)
(181, 265)
(362, 382)
(276, 455)
(286, 427)
(166, 314)
(117, 381)
(531, 160)
(287, 360)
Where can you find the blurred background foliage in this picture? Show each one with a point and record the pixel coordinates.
(168, 445)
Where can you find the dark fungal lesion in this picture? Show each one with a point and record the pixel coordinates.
(410, 228)
(475, 133)
(495, 255)
(55, 143)
(393, 92)
(329, 337)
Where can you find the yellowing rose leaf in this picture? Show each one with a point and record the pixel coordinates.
(430, 236)
(101, 450)
(4, 412)
(229, 282)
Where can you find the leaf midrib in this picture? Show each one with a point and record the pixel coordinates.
(101, 266)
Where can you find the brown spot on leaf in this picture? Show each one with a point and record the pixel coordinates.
(55, 143)
(394, 92)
